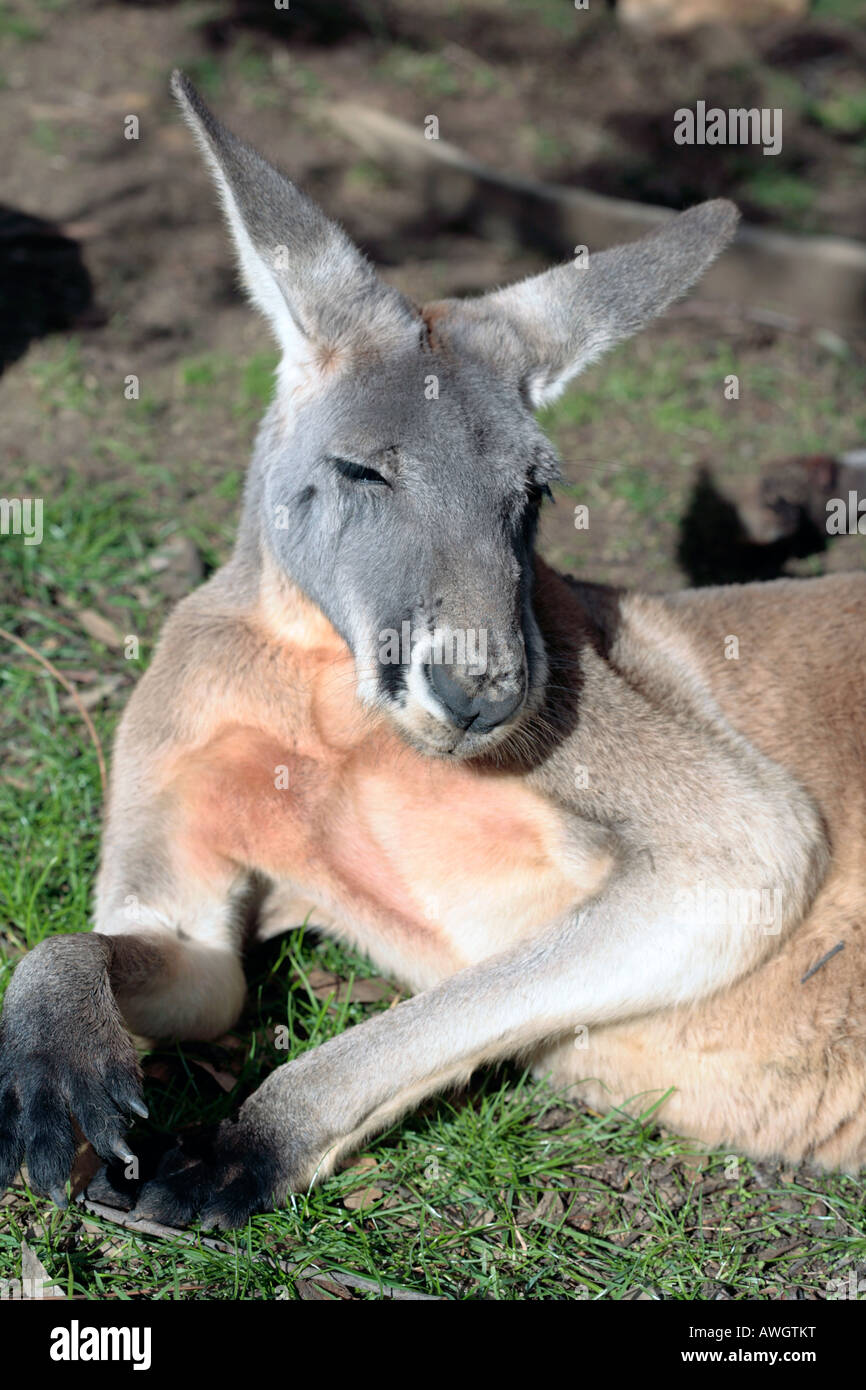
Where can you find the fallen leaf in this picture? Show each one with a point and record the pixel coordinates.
(81, 677)
(100, 628)
(231, 1043)
(367, 991)
(359, 1201)
(222, 1078)
(158, 1071)
(693, 1162)
(321, 982)
(550, 1208)
(95, 695)
(317, 1290)
(362, 1165)
(325, 983)
(85, 1165)
(36, 1282)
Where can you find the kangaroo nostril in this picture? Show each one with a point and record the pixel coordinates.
(466, 709)
(494, 712)
(461, 706)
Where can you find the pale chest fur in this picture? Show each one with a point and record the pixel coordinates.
(426, 864)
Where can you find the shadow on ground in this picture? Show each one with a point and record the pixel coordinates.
(44, 285)
(714, 548)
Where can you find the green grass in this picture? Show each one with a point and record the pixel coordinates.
(778, 191)
(558, 15)
(843, 113)
(250, 384)
(670, 390)
(14, 25)
(430, 73)
(845, 11)
(207, 74)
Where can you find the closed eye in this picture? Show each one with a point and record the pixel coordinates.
(537, 492)
(358, 473)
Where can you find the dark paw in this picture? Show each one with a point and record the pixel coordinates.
(64, 1053)
(115, 1186)
(222, 1176)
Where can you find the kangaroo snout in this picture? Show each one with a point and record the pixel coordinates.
(472, 701)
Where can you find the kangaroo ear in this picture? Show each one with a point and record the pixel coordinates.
(299, 268)
(547, 329)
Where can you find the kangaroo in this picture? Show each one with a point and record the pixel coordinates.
(622, 837)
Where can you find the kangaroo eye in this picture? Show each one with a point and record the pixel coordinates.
(537, 492)
(357, 473)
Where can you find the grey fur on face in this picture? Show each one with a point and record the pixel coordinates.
(422, 516)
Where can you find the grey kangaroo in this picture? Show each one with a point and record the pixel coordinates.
(599, 828)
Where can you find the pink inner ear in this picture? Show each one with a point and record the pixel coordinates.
(432, 315)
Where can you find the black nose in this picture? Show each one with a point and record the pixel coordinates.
(466, 709)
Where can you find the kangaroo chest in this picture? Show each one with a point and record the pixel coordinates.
(426, 865)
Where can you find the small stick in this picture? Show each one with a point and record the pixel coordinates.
(823, 961)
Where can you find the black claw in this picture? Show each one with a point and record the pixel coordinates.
(64, 1057)
(55, 1076)
(98, 1118)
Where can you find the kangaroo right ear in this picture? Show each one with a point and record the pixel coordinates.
(544, 330)
(301, 270)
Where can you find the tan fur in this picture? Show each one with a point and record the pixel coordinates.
(775, 1064)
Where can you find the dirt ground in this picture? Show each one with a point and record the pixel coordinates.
(147, 284)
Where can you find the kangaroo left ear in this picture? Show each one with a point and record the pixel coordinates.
(300, 269)
(545, 330)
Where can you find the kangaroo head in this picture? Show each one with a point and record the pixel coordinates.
(399, 471)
